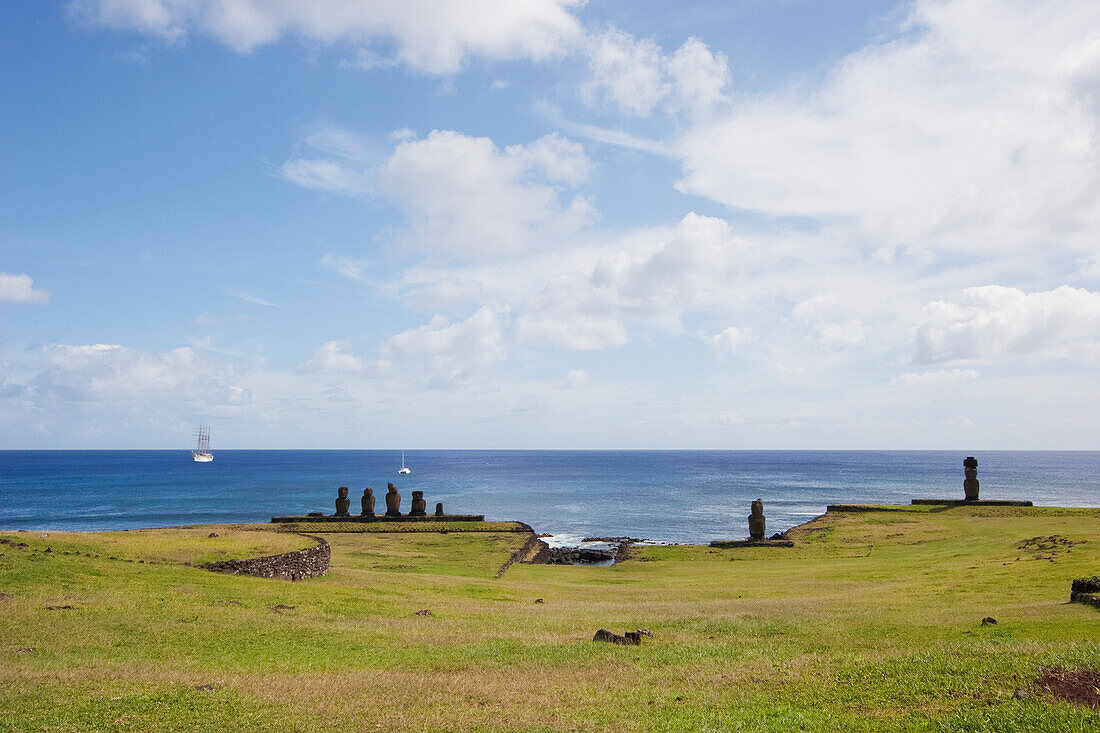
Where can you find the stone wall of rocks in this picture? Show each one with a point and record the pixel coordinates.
(1086, 590)
(298, 565)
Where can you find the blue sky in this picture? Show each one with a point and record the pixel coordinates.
(550, 224)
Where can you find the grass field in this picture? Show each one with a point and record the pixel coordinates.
(871, 622)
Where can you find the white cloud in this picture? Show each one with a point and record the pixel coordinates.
(20, 289)
(113, 373)
(469, 199)
(566, 325)
(429, 35)
(333, 357)
(976, 130)
(727, 341)
(446, 355)
(636, 76)
(940, 376)
(577, 379)
(327, 174)
(253, 299)
(699, 77)
(627, 70)
(465, 197)
(348, 267)
(993, 321)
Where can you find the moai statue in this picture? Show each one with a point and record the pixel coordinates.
(368, 502)
(393, 502)
(439, 509)
(756, 521)
(970, 484)
(419, 507)
(342, 501)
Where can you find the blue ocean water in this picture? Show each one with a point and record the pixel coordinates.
(676, 496)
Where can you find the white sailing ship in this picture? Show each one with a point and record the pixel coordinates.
(202, 453)
(404, 469)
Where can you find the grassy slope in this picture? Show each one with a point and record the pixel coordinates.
(871, 623)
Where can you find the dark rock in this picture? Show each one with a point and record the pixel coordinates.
(631, 638)
(756, 521)
(778, 536)
(537, 600)
(367, 502)
(27, 650)
(970, 483)
(393, 501)
(5, 596)
(423, 612)
(989, 621)
(1020, 694)
(60, 608)
(49, 550)
(418, 507)
(212, 535)
(315, 514)
(204, 687)
(279, 607)
(645, 632)
(297, 565)
(343, 503)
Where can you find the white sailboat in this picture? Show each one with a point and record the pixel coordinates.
(202, 453)
(404, 469)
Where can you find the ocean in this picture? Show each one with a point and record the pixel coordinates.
(673, 496)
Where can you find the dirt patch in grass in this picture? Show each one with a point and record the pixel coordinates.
(1047, 548)
(1080, 687)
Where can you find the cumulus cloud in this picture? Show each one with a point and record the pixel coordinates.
(465, 197)
(427, 35)
(992, 321)
(447, 354)
(114, 373)
(627, 71)
(333, 357)
(728, 340)
(636, 76)
(469, 199)
(975, 129)
(20, 289)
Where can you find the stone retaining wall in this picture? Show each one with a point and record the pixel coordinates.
(1086, 590)
(298, 565)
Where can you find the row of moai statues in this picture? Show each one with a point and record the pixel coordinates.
(419, 507)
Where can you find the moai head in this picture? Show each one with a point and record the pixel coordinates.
(439, 509)
(970, 467)
(758, 508)
(342, 502)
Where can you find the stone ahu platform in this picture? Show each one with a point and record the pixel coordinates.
(751, 543)
(380, 518)
(973, 502)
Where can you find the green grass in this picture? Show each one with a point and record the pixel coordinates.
(871, 622)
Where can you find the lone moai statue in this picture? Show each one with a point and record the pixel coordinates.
(439, 509)
(970, 484)
(419, 507)
(342, 501)
(756, 521)
(393, 502)
(368, 502)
